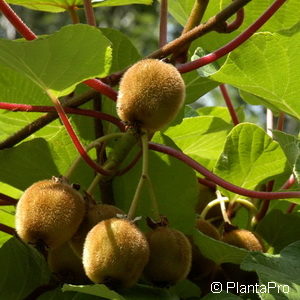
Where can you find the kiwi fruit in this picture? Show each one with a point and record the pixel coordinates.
(49, 213)
(170, 256)
(201, 266)
(243, 238)
(66, 265)
(115, 253)
(95, 214)
(150, 95)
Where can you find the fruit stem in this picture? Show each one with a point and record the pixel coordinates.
(220, 199)
(92, 145)
(232, 112)
(163, 23)
(144, 178)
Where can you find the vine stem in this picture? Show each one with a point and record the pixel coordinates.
(7, 229)
(73, 136)
(218, 180)
(92, 145)
(163, 23)
(83, 112)
(241, 38)
(89, 12)
(228, 101)
(145, 178)
(29, 35)
(239, 19)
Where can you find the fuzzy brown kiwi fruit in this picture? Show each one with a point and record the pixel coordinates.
(170, 256)
(49, 213)
(66, 265)
(202, 266)
(115, 253)
(243, 238)
(248, 240)
(151, 94)
(95, 214)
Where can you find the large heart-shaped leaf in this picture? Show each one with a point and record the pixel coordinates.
(56, 62)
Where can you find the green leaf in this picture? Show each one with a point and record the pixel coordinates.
(175, 186)
(250, 157)
(291, 147)
(221, 112)
(63, 5)
(22, 270)
(60, 61)
(137, 292)
(278, 272)
(124, 52)
(58, 294)
(100, 290)
(40, 159)
(202, 138)
(285, 17)
(279, 229)
(6, 218)
(257, 67)
(221, 296)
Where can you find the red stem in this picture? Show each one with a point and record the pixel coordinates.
(241, 38)
(291, 208)
(75, 111)
(218, 180)
(26, 32)
(207, 183)
(8, 199)
(233, 114)
(7, 229)
(103, 88)
(16, 21)
(239, 19)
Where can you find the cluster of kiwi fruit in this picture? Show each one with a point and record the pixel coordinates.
(204, 271)
(87, 242)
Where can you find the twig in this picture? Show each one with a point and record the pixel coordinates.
(163, 24)
(200, 30)
(76, 111)
(241, 38)
(232, 112)
(43, 121)
(218, 180)
(7, 229)
(73, 14)
(8, 199)
(89, 13)
(239, 19)
(280, 122)
(196, 15)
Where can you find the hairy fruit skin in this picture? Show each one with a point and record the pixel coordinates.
(49, 213)
(151, 94)
(202, 266)
(115, 253)
(66, 265)
(170, 256)
(95, 214)
(243, 238)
